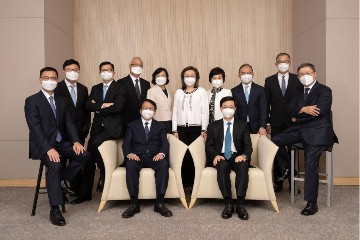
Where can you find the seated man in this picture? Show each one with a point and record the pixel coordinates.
(310, 110)
(53, 134)
(228, 147)
(146, 145)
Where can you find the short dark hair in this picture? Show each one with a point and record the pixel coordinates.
(49, 69)
(216, 71)
(156, 72)
(106, 63)
(282, 54)
(149, 101)
(183, 85)
(310, 65)
(246, 65)
(69, 62)
(227, 98)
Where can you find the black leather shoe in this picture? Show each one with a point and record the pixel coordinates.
(278, 187)
(131, 211)
(310, 209)
(80, 200)
(228, 211)
(285, 174)
(57, 218)
(65, 188)
(164, 211)
(242, 213)
(100, 186)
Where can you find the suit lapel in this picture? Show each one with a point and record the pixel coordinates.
(109, 91)
(143, 91)
(47, 104)
(221, 131)
(131, 86)
(235, 130)
(242, 94)
(311, 93)
(277, 85)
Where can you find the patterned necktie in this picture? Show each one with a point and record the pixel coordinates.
(283, 85)
(147, 130)
(227, 150)
(247, 99)
(52, 105)
(73, 94)
(137, 88)
(105, 91)
(306, 93)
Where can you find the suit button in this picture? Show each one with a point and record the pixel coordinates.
(147, 151)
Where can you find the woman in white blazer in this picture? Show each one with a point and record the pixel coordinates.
(217, 79)
(162, 97)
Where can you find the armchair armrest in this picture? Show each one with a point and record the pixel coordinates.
(109, 154)
(197, 151)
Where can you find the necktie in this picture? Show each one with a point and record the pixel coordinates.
(147, 131)
(247, 99)
(105, 91)
(227, 150)
(73, 94)
(283, 86)
(137, 88)
(306, 93)
(52, 105)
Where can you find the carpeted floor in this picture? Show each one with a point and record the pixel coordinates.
(203, 221)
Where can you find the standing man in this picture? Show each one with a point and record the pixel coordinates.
(146, 145)
(106, 100)
(228, 147)
(279, 89)
(251, 101)
(53, 134)
(310, 110)
(136, 89)
(76, 95)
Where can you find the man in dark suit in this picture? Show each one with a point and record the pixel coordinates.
(106, 100)
(251, 101)
(76, 95)
(53, 134)
(228, 147)
(310, 110)
(146, 145)
(136, 88)
(279, 89)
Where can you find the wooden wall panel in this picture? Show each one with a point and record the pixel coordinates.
(177, 33)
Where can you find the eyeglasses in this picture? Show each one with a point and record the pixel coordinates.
(279, 62)
(106, 70)
(47, 78)
(148, 108)
(303, 74)
(72, 69)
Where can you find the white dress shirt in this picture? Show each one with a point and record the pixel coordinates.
(133, 79)
(47, 95)
(68, 84)
(286, 79)
(233, 149)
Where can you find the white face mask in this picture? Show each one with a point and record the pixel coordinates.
(217, 83)
(283, 67)
(136, 70)
(228, 112)
(106, 76)
(72, 76)
(307, 80)
(160, 81)
(147, 114)
(48, 85)
(189, 81)
(246, 78)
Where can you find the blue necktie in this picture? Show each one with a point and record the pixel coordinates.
(227, 150)
(73, 94)
(52, 105)
(283, 86)
(105, 91)
(147, 131)
(247, 99)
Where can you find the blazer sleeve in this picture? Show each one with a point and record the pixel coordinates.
(87, 117)
(34, 124)
(164, 145)
(70, 126)
(210, 144)
(268, 98)
(128, 139)
(90, 106)
(247, 144)
(263, 108)
(118, 103)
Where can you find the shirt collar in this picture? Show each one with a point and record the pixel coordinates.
(108, 84)
(133, 78)
(286, 75)
(47, 95)
(225, 121)
(68, 84)
(144, 121)
(249, 85)
(310, 87)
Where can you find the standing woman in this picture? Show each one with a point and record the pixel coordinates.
(162, 97)
(190, 118)
(217, 79)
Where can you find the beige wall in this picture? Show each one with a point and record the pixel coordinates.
(326, 33)
(33, 34)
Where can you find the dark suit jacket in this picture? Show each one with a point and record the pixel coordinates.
(43, 125)
(135, 140)
(111, 116)
(215, 140)
(276, 102)
(315, 130)
(255, 109)
(132, 104)
(81, 117)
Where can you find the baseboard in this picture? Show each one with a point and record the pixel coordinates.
(20, 182)
(346, 181)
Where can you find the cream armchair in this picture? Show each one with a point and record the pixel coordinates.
(115, 180)
(260, 178)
